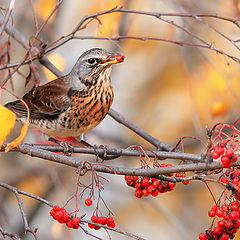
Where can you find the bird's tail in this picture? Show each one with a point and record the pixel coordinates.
(18, 108)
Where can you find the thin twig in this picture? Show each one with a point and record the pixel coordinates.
(26, 194)
(21, 207)
(13, 236)
(6, 18)
(115, 230)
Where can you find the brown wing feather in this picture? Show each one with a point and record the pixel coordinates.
(46, 101)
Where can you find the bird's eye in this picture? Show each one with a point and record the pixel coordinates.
(92, 60)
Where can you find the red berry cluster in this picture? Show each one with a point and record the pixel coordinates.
(109, 221)
(150, 185)
(147, 185)
(227, 155)
(227, 226)
(232, 180)
(62, 216)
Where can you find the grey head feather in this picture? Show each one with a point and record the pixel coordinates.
(87, 67)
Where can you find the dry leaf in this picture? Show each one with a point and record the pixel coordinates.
(7, 119)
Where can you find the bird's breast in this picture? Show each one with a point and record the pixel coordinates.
(88, 108)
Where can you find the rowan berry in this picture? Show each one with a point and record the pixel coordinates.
(110, 222)
(221, 223)
(126, 177)
(224, 180)
(224, 236)
(155, 184)
(94, 218)
(211, 213)
(137, 185)
(104, 220)
(234, 158)
(69, 223)
(76, 226)
(138, 193)
(229, 224)
(229, 152)
(217, 230)
(172, 184)
(65, 216)
(155, 193)
(234, 215)
(179, 174)
(215, 155)
(145, 181)
(219, 213)
(214, 208)
(186, 182)
(220, 150)
(88, 202)
(52, 212)
(202, 236)
(237, 223)
(91, 225)
(225, 161)
(75, 220)
(145, 192)
(150, 188)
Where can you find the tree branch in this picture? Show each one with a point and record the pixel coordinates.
(98, 151)
(76, 163)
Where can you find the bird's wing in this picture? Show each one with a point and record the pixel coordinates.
(46, 101)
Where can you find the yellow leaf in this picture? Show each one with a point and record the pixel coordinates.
(22, 135)
(7, 119)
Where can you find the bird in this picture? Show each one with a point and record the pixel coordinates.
(75, 103)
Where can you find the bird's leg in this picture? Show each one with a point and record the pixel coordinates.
(80, 138)
(67, 147)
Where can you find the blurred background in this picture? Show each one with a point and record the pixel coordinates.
(169, 90)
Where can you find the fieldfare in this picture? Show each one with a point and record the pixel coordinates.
(73, 104)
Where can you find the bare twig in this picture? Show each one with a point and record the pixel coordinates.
(26, 194)
(6, 18)
(115, 230)
(84, 21)
(21, 207)
(13, 236)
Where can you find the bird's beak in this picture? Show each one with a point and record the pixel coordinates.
(112, 60)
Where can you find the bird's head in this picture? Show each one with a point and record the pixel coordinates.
(93, 62)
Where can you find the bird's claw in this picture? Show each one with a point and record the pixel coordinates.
(67, 147)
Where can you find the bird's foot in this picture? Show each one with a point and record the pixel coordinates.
(67, 147)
